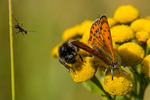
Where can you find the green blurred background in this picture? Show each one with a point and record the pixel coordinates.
(37, 75)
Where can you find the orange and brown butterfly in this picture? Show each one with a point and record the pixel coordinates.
(101, 41)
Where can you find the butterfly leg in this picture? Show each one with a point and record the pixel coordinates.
(112, 73)
(106, 71)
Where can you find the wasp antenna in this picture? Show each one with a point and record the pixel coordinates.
(31, 31)
(15, 19)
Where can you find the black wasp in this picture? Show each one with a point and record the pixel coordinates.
(68, 53)
(17, 26)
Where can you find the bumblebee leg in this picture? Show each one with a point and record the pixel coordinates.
(62, 62)
(68, 67)
(80, 57)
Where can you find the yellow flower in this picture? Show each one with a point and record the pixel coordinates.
(147, 17)
(111, 22)
(148, 43)
(121, 33)
(115, 46)
(131, 53)
(85, 37)
(83, 71)
(126, 14)
(142, 36)
(146, 66)
(141, 25)
(54, 52)
(85, 26)
(71, 33)
(121, 84)
(76, 31)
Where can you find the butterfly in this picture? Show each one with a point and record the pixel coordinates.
(101, 41)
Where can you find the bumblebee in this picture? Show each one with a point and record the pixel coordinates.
(68, 53)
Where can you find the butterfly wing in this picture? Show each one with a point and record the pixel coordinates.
(106, 33)
(100, 38)
(89, 49)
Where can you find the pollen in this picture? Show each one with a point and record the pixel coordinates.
(121, 33)
(83, 71)
(131, 53)
(126, 14)
(142, 36)
(146, 66)
(121, 84)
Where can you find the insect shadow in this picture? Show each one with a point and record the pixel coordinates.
(18, 26)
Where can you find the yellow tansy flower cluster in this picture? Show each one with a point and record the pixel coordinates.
(130, 36)
(77, 30)
(121, 33)
(126, 14)
(146, 66)
(121, 84)
(131, 53)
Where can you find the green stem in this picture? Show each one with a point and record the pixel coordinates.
(143, 83)
(11, 49)
(96, 81)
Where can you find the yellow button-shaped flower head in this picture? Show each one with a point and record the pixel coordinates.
(140, 25)
(126, 14)
(71, 33)
(148, 43)
(85, 26)
(83, 71)
(54, 52)
(131, 53)
(146, 66)
(142, 36)
(76, 31)
(85, 36)
(121, 84)
(112, 22)
(121, 33)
